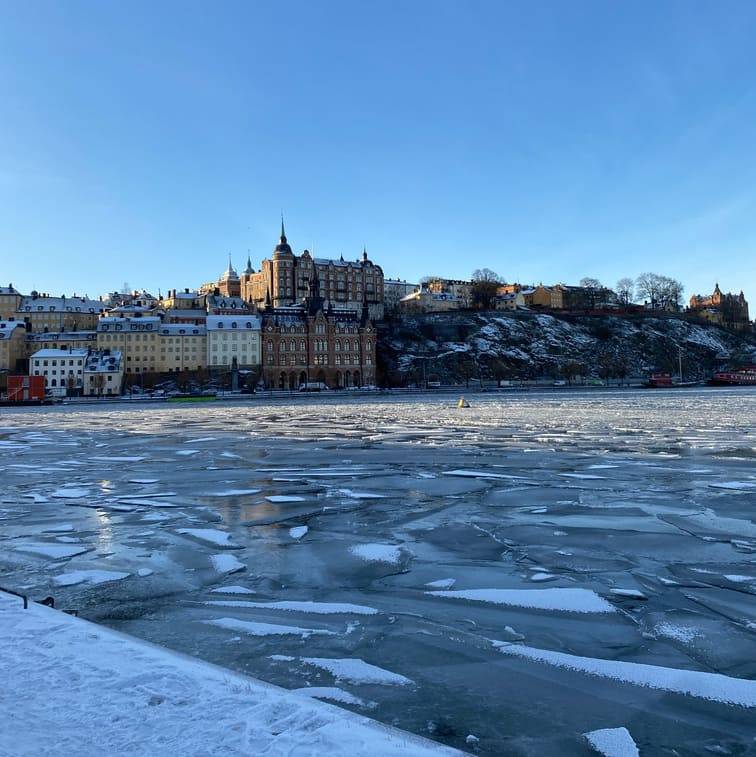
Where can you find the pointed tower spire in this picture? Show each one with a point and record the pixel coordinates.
(283, 230)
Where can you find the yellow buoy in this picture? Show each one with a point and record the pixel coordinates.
(463, 403)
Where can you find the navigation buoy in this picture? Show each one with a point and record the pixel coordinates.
(463, 403)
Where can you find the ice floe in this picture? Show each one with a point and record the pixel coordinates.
(232, 589)
(315, 608)
(331, 693)
(252, 628)
(387, 553)
(712, 686)
(226, 563)
(297, 532)
(558, 600)
(209, 536)
(352, 669)
(283, 498)
(53, 551)
(612, 742)
(89, 577)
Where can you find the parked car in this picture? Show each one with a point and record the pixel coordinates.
(559, 382)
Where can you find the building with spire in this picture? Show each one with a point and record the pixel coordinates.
(285, 278)
(730, 310)
(312, 342)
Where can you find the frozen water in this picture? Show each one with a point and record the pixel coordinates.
(352, 670)
(654, 531)
(89, 577)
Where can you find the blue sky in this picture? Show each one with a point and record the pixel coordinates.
(144, 141)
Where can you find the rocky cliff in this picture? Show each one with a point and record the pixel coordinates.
(456, 347)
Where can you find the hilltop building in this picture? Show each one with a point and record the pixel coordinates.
(729, 309)
(283, 280)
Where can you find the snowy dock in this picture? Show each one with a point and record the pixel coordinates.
(73, 687)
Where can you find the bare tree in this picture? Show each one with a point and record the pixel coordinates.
(649, 287)
(485, 284)
(625, 290)
(589, 283)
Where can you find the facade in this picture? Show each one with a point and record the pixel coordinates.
(314, 343)
(183, 347)
(60, 340)
(26, 388)
(12, 345)
(394, 291)
(103, 373)
(63, 370)
(10, 300)
(137, 339)
(283, 280)
(510, 301)
(41, 313)
(233, 341)
(425, 301)
(183, 299)
(729, 309)
(219, 304)
(458, 289)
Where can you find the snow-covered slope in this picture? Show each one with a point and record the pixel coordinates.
(495, 345)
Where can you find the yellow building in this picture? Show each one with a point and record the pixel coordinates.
(10, 300)
(60, 340)
(40, 313)
(183, 347)
(12, 345)
(137, 339)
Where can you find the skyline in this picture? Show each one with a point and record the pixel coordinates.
(545, 143)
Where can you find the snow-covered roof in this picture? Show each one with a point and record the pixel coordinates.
(147, 323)
(186, 296)
(9, 290)
(68, 336)
(182, 329)
(55, 353)
(62, 304)
(196, 313)
(103, 361)
(8, 327)
(229, 322)
(227, 303)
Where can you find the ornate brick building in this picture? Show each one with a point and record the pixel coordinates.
(285, 277)
(315, 342)
(725, 309)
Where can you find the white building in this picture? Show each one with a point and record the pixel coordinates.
(394, 291)
(103, 373)
(233, 336)
(63, 369)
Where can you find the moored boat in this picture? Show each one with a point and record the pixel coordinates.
(745, 376)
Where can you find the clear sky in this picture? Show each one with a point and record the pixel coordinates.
(142, 142)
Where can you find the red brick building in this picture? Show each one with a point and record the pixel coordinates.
(309, 343)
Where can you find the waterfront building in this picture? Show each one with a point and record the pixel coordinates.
(137, 339)
(63, 370)
(12, 345)
(103, 373)
(233, 341)
(183, 347)
(316, 343)
(60, 340)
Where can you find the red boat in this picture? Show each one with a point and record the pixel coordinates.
(738, 377)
